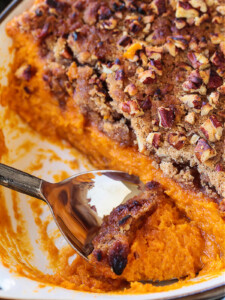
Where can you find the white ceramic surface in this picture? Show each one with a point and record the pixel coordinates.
(14, 286)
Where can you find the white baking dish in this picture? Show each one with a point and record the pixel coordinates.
(14, 286)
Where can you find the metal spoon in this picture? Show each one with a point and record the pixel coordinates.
(78, 203)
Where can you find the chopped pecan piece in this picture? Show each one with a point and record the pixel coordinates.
(177, 140)
(214, 80)
(205, 75)
(194, 139)
(222, 47)
(216, 38)
(218, 59)
(190, 118)
(219, 168)
(158, 6)
(214, 98)
(147, 76)
(179, 41)
(193, 101)
(221, 89)
(131, 89)
(206, 108)
(185, 10)
(125, 41)
(221, 9)
(199, 4)
(154, 139)
(132, 108)
(104, 13)
(166, 117)
(170, 48)
(201, 19)
(154, 53)
(109, 24)
(198, 60)
(212, 129)
(180, 23)
(156, 66)
(203, 151)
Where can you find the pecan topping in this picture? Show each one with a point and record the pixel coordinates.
(104, 13)
(221, 9)
(214, 80)
(180, 23)
(125, 41)
(218, 59)
(203, 151)
(219, 168)
(199, 4)
(193, 101)
(190, 118)
(212, 129)
(166, 117)
(206, 108)
(185, 10)
(147, 76)
(154, 139)
(214, 98)
(159, 6)
(131, 89)
(179, 41)
(198, 60)
(132, 108)
(176, 140)
(194, 139)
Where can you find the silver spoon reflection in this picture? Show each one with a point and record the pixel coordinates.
(79, 203)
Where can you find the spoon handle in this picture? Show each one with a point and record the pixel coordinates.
(21, 182)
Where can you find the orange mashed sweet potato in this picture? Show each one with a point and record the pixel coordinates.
(182, 238)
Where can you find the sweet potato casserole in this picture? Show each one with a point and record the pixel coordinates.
(136, 86)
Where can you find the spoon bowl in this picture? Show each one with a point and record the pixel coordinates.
(79, 203)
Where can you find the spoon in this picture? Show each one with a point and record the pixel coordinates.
(79, 203)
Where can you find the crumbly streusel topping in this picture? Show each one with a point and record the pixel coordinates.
(149, 73)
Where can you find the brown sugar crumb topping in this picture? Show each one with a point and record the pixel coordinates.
(148, 73)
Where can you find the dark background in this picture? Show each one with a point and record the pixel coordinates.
(3, 4)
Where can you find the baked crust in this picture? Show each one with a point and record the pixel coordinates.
(149, 74)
